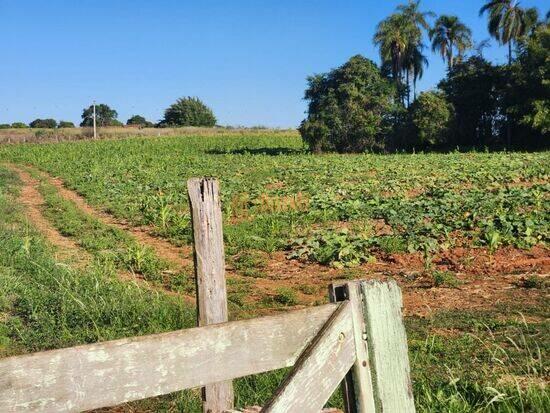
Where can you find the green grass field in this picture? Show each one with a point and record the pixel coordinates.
(347, 216)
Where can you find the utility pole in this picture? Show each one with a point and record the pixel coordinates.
(95, 129)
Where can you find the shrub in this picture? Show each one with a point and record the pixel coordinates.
(5, 126)
(349, 108)
(65, 124)
(43, 123)
(431, 115)
(19, 125)
(140, 121)
(188, 111)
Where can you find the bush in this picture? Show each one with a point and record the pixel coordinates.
(188, 112)
(140, 121)
(349, 108)
(43, 123)
(431, 115)
(65, 124)
(5, 126)
(19, 125)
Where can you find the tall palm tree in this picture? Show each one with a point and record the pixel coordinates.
(415, 17)
(450, 34)
(399, 38)
(507, 22)
(416, 61)
(392, 37)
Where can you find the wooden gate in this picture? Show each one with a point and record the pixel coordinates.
(358, 341)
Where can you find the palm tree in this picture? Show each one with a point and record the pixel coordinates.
(448, 34)
(392, 37)
(415, 17)
(416, 61)
(507, 22)
(399, 38)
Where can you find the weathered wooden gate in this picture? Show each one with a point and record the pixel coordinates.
(358, 340)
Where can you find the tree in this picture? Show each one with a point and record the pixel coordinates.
(43, 123)
(527, 100)
(140, 121)
(475, 88)
(431, 116)
(105, 116)
(399, 38)
(19, 125)
(65, 124)
(507, 22)
(189, 111)
(450, 34)
(349, 108)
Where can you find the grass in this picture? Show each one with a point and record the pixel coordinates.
(349, 208)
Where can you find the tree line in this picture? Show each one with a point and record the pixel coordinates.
(363, 106)
(186, 111)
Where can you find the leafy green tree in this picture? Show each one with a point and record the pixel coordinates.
(5, 126)
(140, 121)
(474, 88)
(105, 116)
(431, 117)
(527, 100)
(349, 108)
(189, 111)
(507, 22)
(65, 124)
(19, 125)
(450, 34)
(43, 123)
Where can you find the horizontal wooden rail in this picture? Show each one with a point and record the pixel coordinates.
(114, 372)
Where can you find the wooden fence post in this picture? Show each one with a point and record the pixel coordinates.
(379, 381)
(357, 388)
(209, 258)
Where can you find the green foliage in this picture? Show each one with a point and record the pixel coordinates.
(138, 120)
(5, 126)
(528, 97)
(19, 125)
(189, 111)
(445, 279)
(285, 296)
(43, 123)
(105, 116)
(450, 34)
(337, 248)
(65, 124)
(349, 108)
(431, 116)
(474, 88)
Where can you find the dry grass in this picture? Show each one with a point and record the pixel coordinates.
(30, 135)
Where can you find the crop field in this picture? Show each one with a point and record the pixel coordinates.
(95, 244)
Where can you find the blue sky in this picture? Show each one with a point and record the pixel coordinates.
(248, 60)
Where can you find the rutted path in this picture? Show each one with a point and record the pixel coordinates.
(66, 248)
(33, 202)
(180, 256)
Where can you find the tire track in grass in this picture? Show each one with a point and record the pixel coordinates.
(32, 200)
(35, 204)
(180, 256)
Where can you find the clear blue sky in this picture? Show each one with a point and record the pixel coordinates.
(248, 60)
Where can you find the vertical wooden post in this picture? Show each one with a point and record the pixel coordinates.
(357, 389)
(209, 257)
(387, 346)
